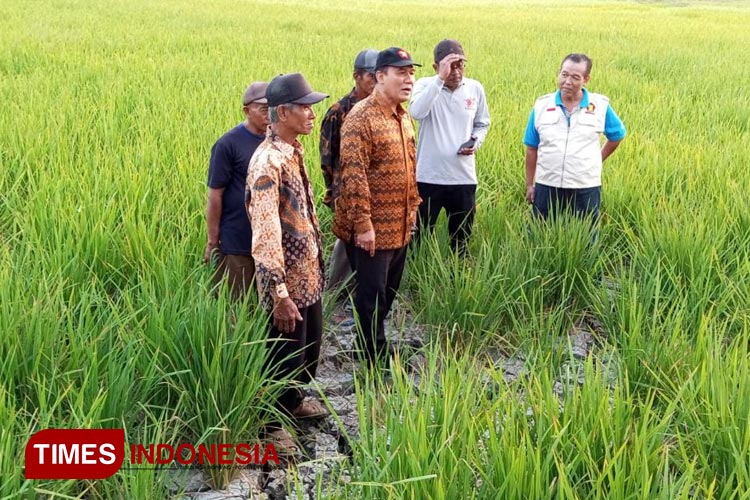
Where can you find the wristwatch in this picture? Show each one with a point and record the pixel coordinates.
(281, 291)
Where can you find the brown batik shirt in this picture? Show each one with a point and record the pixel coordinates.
(286, 236)
(378, 174)
(330, 142)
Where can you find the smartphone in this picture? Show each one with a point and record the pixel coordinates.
(466, 145)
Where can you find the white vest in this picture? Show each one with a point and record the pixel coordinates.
(570, 156)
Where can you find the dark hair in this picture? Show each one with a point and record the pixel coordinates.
(360, 72)
(579, 58)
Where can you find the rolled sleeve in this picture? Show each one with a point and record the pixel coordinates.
(614, 129)
(531, 137)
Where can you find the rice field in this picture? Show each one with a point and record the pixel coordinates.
(106, 317)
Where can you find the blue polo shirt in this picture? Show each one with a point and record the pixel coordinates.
(614, 130)
(227, 169)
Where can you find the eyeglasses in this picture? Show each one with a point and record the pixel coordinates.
(458, 65)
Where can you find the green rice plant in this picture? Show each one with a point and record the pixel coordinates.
(214, 365)
(714, 423)
(105, 318)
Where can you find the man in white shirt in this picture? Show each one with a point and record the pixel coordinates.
(453, 123)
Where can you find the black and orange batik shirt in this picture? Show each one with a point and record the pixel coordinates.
(286, 243)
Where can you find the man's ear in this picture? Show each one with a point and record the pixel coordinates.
(586, 79)
(435, 66)
(282, 111)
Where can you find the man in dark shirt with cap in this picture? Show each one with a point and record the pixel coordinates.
(287, 248)
(330, 159)
(229, 233)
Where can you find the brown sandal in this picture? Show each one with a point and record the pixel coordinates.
(310, 408)
(284, 444)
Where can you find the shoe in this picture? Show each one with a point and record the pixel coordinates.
(284, 444)
(309, 409)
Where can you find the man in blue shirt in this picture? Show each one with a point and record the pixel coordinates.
(564, 154)
(228, 227)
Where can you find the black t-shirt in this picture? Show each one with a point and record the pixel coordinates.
(227, 169)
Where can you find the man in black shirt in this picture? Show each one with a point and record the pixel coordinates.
(228, 227)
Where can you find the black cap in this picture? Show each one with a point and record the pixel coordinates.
(394, 56)
(291, 88)
(446, 47)
(366, 60)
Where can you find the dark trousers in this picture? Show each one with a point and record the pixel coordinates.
(296, 354)
(585, 202)
(239, 271)
(459, 202)
(378, 278)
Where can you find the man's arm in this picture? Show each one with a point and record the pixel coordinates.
(531, 139)
(213, 216)
(355, 189)
(609, 148)
(531, 155)
(267, 250)
(614, 131)
(481, 119)
(219, 175)
(423, 96)
(329, 151)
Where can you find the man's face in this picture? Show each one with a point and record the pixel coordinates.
(257, 115)
(572, 77)
(396, 82)
(365, 82)
(457, 74)
(299, 118)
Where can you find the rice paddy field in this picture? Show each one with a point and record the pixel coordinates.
(110, 109)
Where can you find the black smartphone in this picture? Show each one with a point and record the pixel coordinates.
(466, 145)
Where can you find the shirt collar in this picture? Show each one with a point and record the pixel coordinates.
(584, 99)
(251, 134)
(286, 149)
(380, 101)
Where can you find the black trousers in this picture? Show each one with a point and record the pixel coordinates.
(378, 278)
(295, 354)
(459, 202)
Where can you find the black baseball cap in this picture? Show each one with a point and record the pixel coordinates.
(394, 56)
(448, 46)
(291, 88)
(366, 60)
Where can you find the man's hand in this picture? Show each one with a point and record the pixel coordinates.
(285, 314)
(366, 241)
(467, 151)
(530, 193)
(211, 247)
(444, 66)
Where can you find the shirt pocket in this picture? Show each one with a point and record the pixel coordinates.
(590, 122)
(550, 118)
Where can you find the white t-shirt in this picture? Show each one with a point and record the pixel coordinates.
(447, 119)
